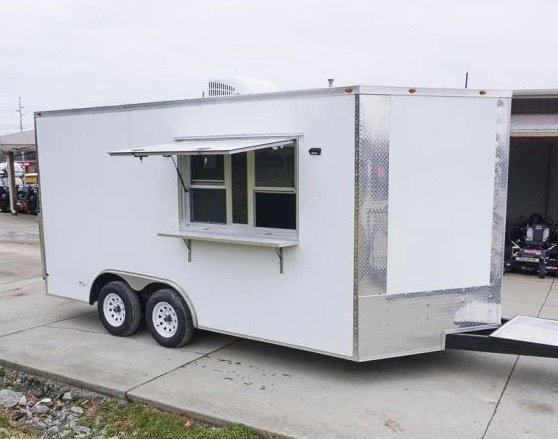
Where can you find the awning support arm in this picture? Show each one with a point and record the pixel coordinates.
(179, 174)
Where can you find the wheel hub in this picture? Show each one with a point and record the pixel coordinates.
(114, 310)
(165, 319)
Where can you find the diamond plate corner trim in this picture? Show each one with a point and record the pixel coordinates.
(356, 246)
(41, 214)
(503, 115)
(371, 208)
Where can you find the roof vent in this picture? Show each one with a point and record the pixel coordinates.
(235, 85)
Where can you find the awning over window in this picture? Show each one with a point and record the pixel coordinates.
(534, 125)
(207, 145)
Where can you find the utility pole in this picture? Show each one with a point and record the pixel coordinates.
(20, 111)
(11, 182)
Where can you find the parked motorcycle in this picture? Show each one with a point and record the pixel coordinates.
(28, 201)
(4, 199)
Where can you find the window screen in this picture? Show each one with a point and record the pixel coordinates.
(207, 169)
(275, 167)
(208, 205)
(276, 210)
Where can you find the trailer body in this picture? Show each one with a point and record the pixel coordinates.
(400, 213)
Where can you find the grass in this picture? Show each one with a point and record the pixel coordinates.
(16, 433)
(140, 421)
(115, 419)
(3, 421)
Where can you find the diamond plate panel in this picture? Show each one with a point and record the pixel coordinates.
(372, 195)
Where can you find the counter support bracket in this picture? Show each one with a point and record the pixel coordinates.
(276, 242)
(279, 251)
(188, 243)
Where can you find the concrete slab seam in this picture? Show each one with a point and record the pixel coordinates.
(18, 281)
(180, 366)
(76, 329)
(513, 369)
(546, 297)
(43, 325)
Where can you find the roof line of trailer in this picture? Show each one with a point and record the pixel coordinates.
(328, 91)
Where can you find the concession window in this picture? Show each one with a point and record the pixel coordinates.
(251, 204)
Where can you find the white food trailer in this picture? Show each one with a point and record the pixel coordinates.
(359, 222)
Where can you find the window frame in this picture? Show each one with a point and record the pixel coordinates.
(185, 207)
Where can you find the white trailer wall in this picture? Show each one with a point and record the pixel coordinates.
(105, 213)
(441, 193)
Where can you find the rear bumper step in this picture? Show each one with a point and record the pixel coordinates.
(521, 335)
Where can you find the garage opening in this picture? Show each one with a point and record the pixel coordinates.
(533, 165)
(533, 179)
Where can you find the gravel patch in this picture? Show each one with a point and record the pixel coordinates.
(52, 409)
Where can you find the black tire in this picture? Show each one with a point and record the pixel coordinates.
(167, 313)
(113, 319)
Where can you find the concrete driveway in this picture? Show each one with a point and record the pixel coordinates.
(279, 390)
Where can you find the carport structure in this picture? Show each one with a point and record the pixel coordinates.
(12, 144)
(533, 171)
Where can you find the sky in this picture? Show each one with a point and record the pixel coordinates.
(75, 53)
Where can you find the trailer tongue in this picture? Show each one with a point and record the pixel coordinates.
(531, 336)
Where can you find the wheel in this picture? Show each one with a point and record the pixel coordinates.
(119, 308)
(168, 318)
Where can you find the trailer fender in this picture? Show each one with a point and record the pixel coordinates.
(142, 284)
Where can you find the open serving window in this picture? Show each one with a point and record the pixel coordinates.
(240, 190)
